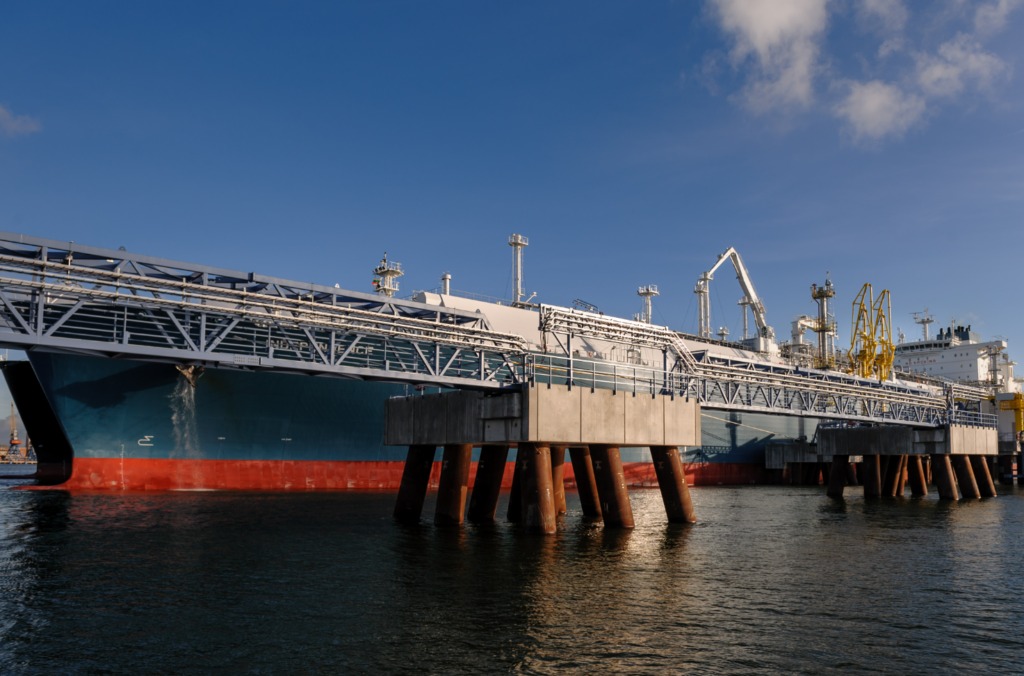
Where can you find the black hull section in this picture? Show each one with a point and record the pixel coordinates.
(51, 445)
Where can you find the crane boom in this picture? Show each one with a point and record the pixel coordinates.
(750, 296)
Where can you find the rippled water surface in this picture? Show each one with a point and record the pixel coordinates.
(771, 580)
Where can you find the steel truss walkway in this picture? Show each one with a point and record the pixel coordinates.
(60, 296)
(735, 384)
(65, 297)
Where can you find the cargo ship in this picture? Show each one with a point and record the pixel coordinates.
(131, 423)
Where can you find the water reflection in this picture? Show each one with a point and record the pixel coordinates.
(770, 580)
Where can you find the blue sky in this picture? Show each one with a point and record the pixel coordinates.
(879, 141)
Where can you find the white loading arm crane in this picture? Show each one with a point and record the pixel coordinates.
(750, 298)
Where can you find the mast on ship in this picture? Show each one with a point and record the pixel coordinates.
(386, 276)
(924, 319)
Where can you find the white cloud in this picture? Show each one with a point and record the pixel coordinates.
(783, 37)
(876, 110)
(890, 15)
(991, 18)
(958, 63)
(890, 47)
(17, 125)
(780, 48)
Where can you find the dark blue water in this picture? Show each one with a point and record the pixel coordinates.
(771, 580)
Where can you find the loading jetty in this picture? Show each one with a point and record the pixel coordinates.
(144, 373)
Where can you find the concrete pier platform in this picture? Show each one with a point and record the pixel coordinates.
(893, 455)
(592, 423)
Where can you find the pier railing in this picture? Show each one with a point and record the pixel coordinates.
(972, 418)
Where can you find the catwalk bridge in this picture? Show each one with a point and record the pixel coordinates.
(112, 303)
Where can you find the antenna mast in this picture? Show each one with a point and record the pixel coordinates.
(924, 319)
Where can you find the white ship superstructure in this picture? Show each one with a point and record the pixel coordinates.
(958, 354)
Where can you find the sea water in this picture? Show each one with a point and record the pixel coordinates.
(771, 580)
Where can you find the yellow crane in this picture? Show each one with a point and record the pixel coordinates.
(885, 349)
(871, 348)
(1016, 404)
(862, 335)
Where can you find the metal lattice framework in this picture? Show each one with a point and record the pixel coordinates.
(109, 303)
(63, 297)
(826, 394)
(734, 384)
(743, 386)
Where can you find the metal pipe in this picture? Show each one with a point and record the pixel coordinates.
(518, 243)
